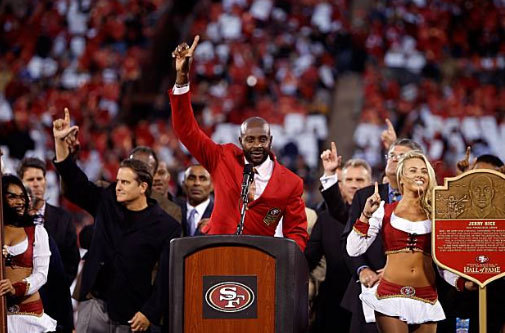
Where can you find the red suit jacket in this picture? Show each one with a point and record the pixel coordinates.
(282, 196)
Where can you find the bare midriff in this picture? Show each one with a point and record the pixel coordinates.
(409, 269)
(17, 274)
(13, 236)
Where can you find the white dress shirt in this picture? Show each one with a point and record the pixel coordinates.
(262, 176)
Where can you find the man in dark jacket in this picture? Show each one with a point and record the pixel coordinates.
(325, 236)
(131, 234)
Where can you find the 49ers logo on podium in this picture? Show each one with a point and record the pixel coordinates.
(229, 297)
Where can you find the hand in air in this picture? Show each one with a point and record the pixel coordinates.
(331, 160)
(62, 129)
(372, 203)
(183, 55)
(464, 164)
(388, 136)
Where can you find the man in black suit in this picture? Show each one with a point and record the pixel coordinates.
(367, 268)
(326, 233)
(197, 208)
(57, 221)
(131, 234)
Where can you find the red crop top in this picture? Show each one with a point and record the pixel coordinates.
(395, 240)
(25, 259)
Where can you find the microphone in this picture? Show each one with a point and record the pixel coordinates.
(247, 179)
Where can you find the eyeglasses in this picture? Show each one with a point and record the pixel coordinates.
(393, 156)
(14, 196)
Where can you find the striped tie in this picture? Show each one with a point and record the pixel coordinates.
(191, 222)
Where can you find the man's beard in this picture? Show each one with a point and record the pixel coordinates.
(253, 155)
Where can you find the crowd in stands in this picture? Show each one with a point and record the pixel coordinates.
(277, 60)
(81, 55)
(437, 69)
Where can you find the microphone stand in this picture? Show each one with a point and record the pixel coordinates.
(245, 201)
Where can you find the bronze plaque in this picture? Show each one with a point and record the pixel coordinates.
(469, 225)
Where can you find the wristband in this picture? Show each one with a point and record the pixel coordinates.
(460, 284)
(20, 288)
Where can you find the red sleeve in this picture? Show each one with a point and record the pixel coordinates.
(294, 223)
(361, 228)
(206, 151)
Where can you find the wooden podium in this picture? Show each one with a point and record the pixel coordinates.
(237, 284)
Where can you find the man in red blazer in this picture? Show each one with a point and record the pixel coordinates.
(277, 191)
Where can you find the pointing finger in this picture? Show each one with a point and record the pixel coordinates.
(376, 188)
(67, 116)
(333, 148)
(193, 46)
(474, 161)
(467, 154)
(390, 125)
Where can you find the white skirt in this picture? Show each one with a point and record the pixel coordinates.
(409, 310)
(17, 323)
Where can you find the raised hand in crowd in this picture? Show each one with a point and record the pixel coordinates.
(464, 164)
(371, 205)
(331, 160)
(65, 136)
(183, 55)
(388, 136)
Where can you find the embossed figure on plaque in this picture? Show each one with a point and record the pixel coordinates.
(481, 194)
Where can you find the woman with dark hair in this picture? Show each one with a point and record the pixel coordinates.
(405, 299)
(27, 254)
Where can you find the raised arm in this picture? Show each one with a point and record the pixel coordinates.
(206, 151)
(79, 189)
(330, 190)
(367, 227)
(361, 267)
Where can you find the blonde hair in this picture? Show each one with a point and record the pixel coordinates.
(426, 202)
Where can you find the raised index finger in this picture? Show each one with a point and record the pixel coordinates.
(67, 116)
(195, 43)
(467, 154)
(333, 148)
(376, 188)
(389, 125)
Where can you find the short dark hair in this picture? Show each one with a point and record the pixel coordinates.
(141, 170)
(145, 150)
(490, 159)
(406, 143)
(31, 162)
